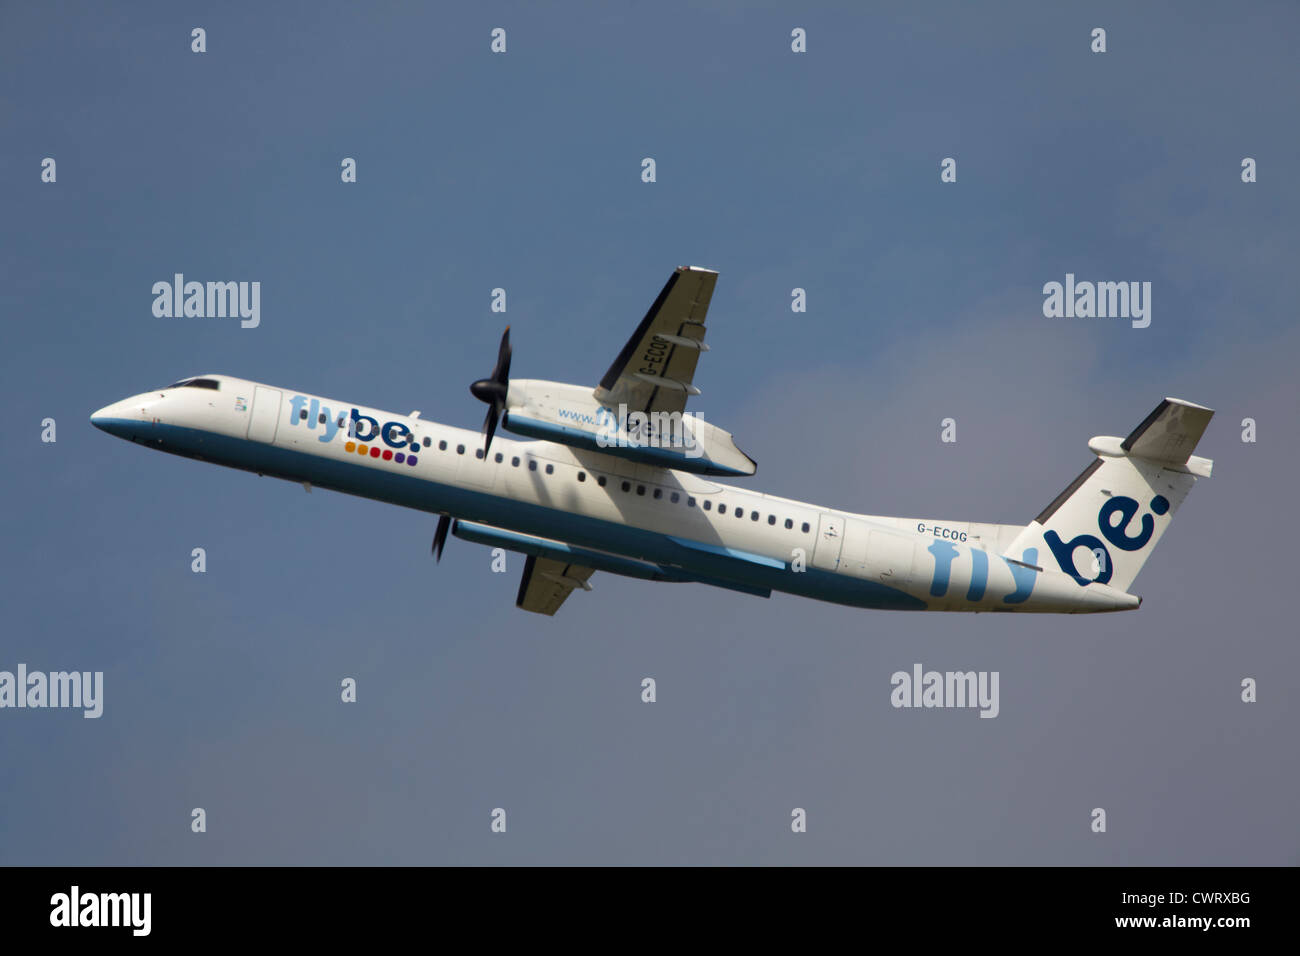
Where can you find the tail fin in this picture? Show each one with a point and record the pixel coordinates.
(1105, 525)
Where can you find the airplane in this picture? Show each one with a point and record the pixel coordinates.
(621, 479)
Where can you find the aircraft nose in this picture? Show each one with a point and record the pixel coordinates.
(101, 418)
(120, 418)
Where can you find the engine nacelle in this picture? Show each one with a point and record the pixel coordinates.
(571, 415)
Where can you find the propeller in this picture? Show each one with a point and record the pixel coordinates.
(493, 390)
(440, 536)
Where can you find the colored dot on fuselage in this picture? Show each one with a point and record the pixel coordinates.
(374, 452)
(399, 458)
(388, 455)
(411, 459)
(362, 449)
(1159, 504)
(350, 447)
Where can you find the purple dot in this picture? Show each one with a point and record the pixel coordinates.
(411, 459)
(399, 458)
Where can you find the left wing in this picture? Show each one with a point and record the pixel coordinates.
(548, 582)
(654, 371)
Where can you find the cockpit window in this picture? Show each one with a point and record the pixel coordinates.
(211, 383)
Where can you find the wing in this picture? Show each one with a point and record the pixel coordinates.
(654, 371)
(548, 582)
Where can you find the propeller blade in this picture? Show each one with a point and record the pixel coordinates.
(490, 427)
(502, 372)
(440, 536)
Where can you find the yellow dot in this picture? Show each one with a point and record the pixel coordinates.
(350, 446)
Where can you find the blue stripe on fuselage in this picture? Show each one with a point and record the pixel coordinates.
(378, 482)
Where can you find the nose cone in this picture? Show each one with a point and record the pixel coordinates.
(112, 419)
(101, 418)
(123, 418)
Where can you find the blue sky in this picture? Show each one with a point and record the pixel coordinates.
(522, 171)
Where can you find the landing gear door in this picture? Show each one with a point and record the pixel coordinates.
(830, 538)
(266, 414)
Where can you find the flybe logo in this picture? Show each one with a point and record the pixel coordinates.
(1113, 521)
(370, 436)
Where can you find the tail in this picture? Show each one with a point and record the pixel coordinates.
(1105, 525)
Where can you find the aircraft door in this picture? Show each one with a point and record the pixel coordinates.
(266, 414)
(853, 557)
(830, 538)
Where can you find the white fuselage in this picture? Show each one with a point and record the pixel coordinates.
(691, 527)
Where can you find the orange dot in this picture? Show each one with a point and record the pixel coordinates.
(350, 447)
(361, 449)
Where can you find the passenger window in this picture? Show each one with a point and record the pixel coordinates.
(442, 445)
(659, 493)
(515, 461)
(460, 449)
(753, 516)
(788, 523)
(722, 509)
(690, 502)
(429, 441)
(582, 476)
(676, 497)
(600, 480)
(708, 505)
(499, 457)
(550, 469)
(627, 486)
(478, 452)
(321, 419)
(532, 465)
(303, 414)
(640, 489)
(805, 527)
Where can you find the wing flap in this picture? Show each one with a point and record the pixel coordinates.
(547, 583)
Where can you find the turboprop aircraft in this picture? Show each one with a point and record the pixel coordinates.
(621, 479)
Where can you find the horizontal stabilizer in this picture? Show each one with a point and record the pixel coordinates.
(1170, 433)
